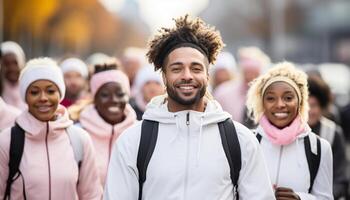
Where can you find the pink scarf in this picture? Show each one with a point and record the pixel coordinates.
(283, 136)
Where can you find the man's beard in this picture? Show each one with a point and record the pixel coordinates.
(174, 96)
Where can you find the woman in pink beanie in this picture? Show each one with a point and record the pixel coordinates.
(110, 114)
(48, 168)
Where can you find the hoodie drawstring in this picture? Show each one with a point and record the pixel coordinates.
(199, 140)
(177, 128)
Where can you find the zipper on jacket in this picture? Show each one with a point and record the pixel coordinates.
(278, 167)
(48, 157)
(188, 119)
(187, 154)
(110, 144)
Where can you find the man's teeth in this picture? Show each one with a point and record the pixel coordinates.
(281, 114)
(186, 87)
(114, 109)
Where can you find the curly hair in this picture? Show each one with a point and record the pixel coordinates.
(193, 32)
(319, 89)
(286, 69)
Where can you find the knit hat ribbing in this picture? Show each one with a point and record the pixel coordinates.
(41, 69)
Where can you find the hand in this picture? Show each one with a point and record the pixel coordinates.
(283, 193)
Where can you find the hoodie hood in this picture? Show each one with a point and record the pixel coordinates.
(157, 110)
(91, 121)
(37, 129)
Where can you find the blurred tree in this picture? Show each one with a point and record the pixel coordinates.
(59, 27)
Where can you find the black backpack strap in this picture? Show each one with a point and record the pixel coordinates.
(149, 134)
(258, 137)
(232, 149)
(312, 160)
(16, 152)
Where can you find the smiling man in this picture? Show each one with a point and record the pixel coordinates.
(190, 158)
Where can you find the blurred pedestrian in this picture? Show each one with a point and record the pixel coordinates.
(148, 84)
(232, 95)
(319, 99)
(12, 62)
(224, 69)
(75, 73)
(299, 162)
(132, 60)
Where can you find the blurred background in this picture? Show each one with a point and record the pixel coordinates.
(303, 31)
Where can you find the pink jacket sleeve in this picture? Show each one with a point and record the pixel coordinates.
(4, 159)
(89, 186)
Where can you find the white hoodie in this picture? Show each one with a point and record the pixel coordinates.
(288, 166)
(188, 162)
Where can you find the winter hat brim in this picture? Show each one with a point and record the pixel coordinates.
(114, 76)
(41, 69)
(76, 65)
(14, 48)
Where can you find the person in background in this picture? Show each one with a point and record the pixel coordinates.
(148, 84)
(278, 102)
(48, 168)
(75, 73)
(8, 113)
(319, 99)
(95, 59)
(109, 114)
(224, 69)
(232, 95)
(132, 60)
(12, 62)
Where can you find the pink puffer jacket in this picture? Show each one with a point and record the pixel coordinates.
(48, 167)
(103, 134)
(8, 115)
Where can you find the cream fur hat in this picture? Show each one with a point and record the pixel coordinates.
(41, 69)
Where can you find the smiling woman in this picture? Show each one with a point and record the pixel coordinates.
(278, 101)
(49, 169)
(110, 114)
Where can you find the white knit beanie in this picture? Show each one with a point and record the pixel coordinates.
(76, 65)
(14, 48)
(225, 60)
(41, 69)
(145, 74)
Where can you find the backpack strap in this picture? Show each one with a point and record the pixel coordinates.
(149, 134)
(232, 150)
(313, 160)
(76, 143)
(16, 152)
(258, 136)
